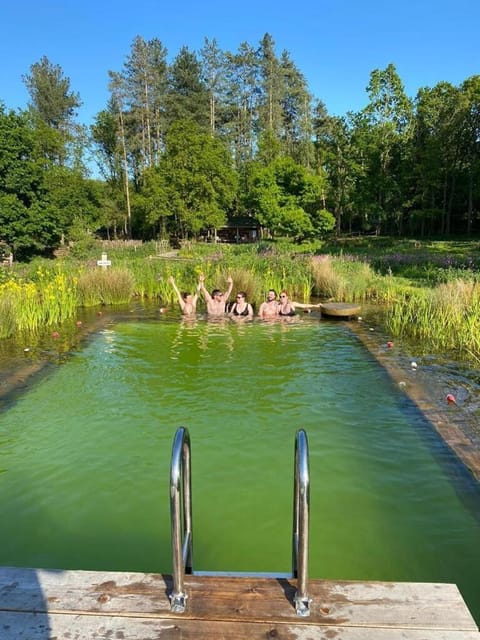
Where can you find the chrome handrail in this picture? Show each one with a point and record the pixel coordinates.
(301, 521)
(180, 514)
(181, 520)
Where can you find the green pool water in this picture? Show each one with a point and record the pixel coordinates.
(85, 455)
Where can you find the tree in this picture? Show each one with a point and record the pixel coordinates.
(194, 185)
(53, 106)
(386, 131)
(297, 129)
(242, 102)
(285, 198)
(470, 90)
(338, 165)
(213, 75)
(187, 96)
(145, 77)
(438, 138)
(118, 89)
(271, 86)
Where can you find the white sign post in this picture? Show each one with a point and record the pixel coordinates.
(104, 263)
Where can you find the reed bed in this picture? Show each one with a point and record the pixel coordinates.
(446, 318)
(27, 306)
(347, 279)
(46, 293)
(102, 287)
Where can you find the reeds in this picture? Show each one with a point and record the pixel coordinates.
(46, 294)
(446, 318)
(27, 306)
(99, 286)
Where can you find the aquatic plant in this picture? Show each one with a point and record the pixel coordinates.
(446, 318)
(99, 286)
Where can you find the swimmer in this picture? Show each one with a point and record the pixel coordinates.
(187, 301)
(217, 301)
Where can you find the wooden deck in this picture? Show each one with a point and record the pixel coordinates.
(36, 604)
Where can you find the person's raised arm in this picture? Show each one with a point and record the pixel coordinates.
(227, 293)
(181, 301)
(202, 288)
(197, 291)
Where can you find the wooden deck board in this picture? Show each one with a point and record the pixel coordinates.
(22, 626)
(41, 604)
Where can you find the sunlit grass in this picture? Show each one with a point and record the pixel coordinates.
(98, 286)
(446, 318)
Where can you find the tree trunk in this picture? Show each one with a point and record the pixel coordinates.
(470, 203)
(128, 225)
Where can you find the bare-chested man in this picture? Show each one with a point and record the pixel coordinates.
(187, 301)
(217, 302)
(269, 308)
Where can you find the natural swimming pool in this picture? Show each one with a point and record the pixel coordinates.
(84, 457)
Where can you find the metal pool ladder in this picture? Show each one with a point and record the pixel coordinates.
(181, 520)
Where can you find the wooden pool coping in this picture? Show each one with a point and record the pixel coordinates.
(37, 604)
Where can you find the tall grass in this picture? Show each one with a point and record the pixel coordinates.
(98, 286)
(27, 306)
(446, 318)
(347, 279)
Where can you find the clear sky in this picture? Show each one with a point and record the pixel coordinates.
(334, 43)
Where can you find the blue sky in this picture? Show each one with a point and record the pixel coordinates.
(334, 43)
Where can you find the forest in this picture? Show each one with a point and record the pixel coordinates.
(186, 143)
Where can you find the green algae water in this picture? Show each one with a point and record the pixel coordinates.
(85, 455)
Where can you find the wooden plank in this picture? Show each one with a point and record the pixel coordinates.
(27, 626)
(261, 600)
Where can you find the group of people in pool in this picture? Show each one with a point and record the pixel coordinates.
(218, 303)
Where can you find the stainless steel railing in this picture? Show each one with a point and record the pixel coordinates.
(181, 520)
(301, 522)
(181, 517)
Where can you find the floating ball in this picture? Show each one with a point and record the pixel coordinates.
(451, 399)
(413, 365)
(389, 344)
(55, 334)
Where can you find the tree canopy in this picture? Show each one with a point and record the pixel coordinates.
(186, 141)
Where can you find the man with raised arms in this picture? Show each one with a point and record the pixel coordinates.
(217, 301)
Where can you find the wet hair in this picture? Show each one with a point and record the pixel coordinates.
(285, 292)
(185, 294)
(242, 293)
(216, 291)
(273, 291)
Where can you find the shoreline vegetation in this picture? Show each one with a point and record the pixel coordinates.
(426, 293)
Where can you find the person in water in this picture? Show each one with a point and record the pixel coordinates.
(217, 301)
(241, 308)
(187, 301)
(285, 306)
(269, 308)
